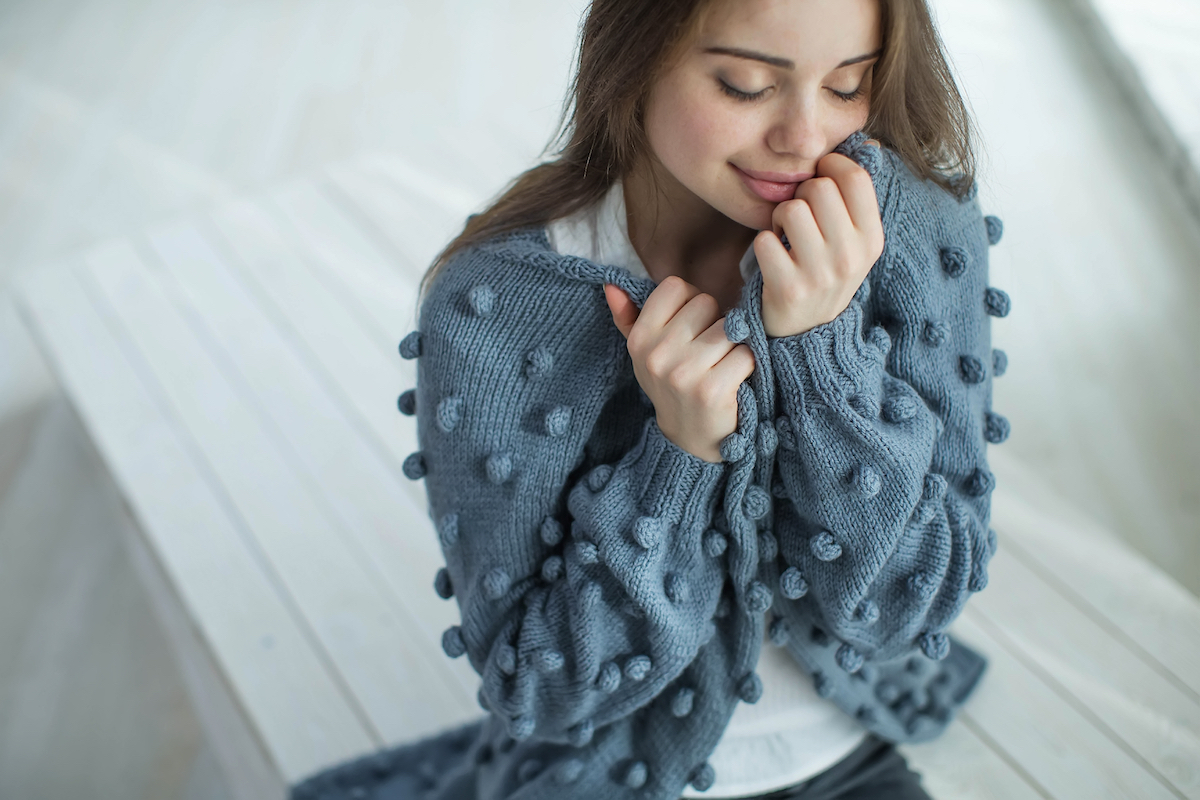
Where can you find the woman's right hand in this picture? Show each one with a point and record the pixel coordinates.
(684, 362)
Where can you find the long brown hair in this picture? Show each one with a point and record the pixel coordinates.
(625, 45)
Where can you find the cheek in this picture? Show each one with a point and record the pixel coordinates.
(691, 135)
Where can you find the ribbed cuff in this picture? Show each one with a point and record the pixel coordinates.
(824, 365)
(671, 481)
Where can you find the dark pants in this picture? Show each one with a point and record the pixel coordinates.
(873, 771)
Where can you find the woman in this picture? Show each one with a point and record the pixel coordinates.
(703, 406)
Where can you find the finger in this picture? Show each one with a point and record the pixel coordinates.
(691, 320)
(857, 190)
(774, 261)
(736, 366)
(824, 197)
(711, 345)
(624, 312)
(795, 218)
(665, 301)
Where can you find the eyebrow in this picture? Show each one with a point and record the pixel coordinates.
(776, 61)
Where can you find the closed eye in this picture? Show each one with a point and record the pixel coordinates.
(738, 94)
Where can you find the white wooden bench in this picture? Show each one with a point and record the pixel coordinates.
(237, 372)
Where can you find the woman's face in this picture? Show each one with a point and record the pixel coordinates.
(766, 90)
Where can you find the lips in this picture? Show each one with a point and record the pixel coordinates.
(774, 187)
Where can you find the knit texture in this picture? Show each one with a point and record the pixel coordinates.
(612, 586)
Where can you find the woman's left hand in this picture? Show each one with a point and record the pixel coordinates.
(836, 236)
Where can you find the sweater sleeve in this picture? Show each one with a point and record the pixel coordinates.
(885, 488)
(583, 587)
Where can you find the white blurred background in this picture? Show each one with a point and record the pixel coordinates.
(120, 114)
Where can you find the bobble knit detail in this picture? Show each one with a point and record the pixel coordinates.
(410, 345)
(934, 645)
(447, 528)
(935, 333)
(980, 483)
(899, 408)
(757, 502)
(825, 547)
(758, 597)
(598, 478)
(778, 631)
(681, 703)
(849, 659)
(792, 584)
(538, 362)
(441, 584)
(482, 300)
(581, 734)
(677, 588)
(551, 531)
(995, 427)
(452, 642)
(407, 402)
(999, 362)
(506, 659)
(558, 420)
(637, 668)
(954, 261)
(703, 777)
(867, 481)
(635, 776)
(609, 679)
(733, 447)
(750, 688)
(568, 771)
(449, 410)
(995, 229)
(498, 467)
(714, 543)
(647, 531)
(736, 327)
(971, 368)
(768, 546)
(414, 466)
(867, 611)
(552, 569)
(996, 302)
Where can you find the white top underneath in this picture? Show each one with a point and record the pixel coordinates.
(791, 733)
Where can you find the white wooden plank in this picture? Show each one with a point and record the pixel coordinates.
(1054, 744)
(382, 283)
(959, 765)
(355, 366)
(1097, 674)
(395, 537)
(352, 618)
(233, 599)
(1099, 574)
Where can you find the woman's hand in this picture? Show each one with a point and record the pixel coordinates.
(684, 362)
(836, 236)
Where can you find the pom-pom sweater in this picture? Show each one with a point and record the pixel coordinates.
(612, 585)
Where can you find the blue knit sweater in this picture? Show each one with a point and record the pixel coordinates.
(612, 585)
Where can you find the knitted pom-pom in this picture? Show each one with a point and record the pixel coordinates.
(407, 402)
(598, 478)
(732, 447)
(934, 487)
(825, 547)
(495, 583)
(449, 411)
(552, 569)
(768, 440)
(609, 679)
(452, 642)
(448, 530)
(971, 368)
(995, 228)
(864, 405)
(414, 466)
(558, 420)
(822, 685)
(568, 771)
(995, 427)
(550, 661)
(635, 776)
(681, 703)
(923, 585)
(736, 327)
(676, 587)
(714, 543)
(498, 467)
(996, 302)
(899, 407)
(757, 502)
(410, 346)
(521, 727)
(441, 584)
(979, 578)
(880, 338)
(768, 546)
(506, 659)
(637, 668)
(887, 692)
(818, 636)
(867, 611)
(848, 658)
(758, 597)
(779, 631)
(935, 333)
(792, 584)
(586, 552)
(999, 362)
(528, 770)
(646, 531)
(589, 595)
(750, 688)
(954, 261)
(482, 300)
(538, 362)
(551, 531)
(980, 483)
(787, 436)
(934, 645)
(867, 480)
(703, 777)
(581, 735)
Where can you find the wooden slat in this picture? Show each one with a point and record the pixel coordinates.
(297, 531)
(1099, 574)
(1097, 674)
(350, 357)
(959, 766)
(231, 593)
(394, 536)
(1057, 747)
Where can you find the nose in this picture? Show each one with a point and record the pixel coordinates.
(797, 131)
